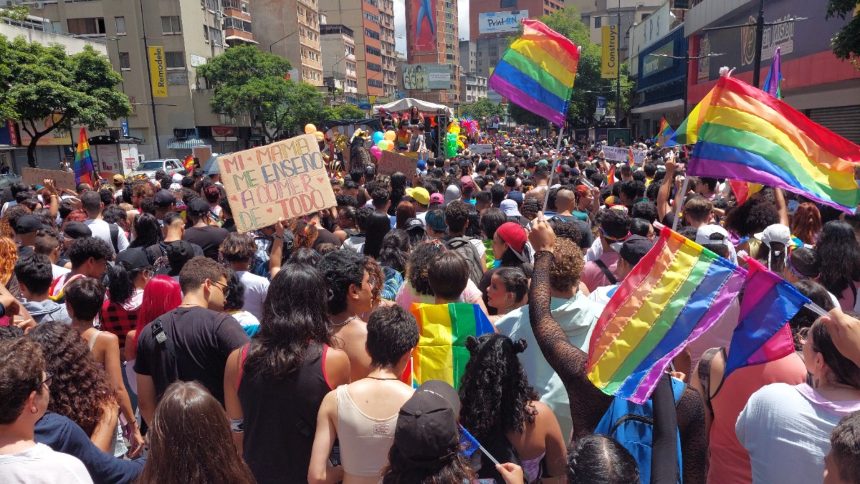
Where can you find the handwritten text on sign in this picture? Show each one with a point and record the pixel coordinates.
(284, 179)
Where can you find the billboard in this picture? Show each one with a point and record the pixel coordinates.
(500, 22)
(609, 52)
(421, 25)
(158, 71)
(423, 77)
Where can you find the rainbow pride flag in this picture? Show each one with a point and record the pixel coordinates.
(749, 135)
(672, 296)
(441, 353)
(688, 131)
(83, 165)
(762, 333)
(665, 134)
(537, 71)
(631, 159)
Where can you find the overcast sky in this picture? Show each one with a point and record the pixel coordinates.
(400, 22)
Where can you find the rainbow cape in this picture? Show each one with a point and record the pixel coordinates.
(762, 334)
(537, 71)
(747, 134)
(665, 134)
(441, 353)
(83, 165)
(672, 296)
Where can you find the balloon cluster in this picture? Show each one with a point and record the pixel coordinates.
(311, 129)
(382, 142)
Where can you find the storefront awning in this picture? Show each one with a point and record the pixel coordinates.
(656, 108)
(186, 144)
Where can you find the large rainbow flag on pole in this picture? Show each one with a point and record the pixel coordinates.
(537, 71)
(672, 296)
(83, 165)
(747, 134)
(441, 353)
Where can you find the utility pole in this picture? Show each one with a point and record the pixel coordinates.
(149, 76)
(618, 69)
(759, 34)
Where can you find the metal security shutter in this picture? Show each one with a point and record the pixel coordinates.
(843, 120)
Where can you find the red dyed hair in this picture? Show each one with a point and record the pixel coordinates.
(806, 223)
(161, 295)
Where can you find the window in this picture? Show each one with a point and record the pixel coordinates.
(597, 22)
(175, 60)
(120, 25)
(371, 34)
(215, 36)
(171, 25)
(373, 51)
(124, 61)
(210, 5)
(86, 26)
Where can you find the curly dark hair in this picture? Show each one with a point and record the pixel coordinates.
(419, 264)
(495, 394)
(491, 220)
(600, 459)
(85, 247)
(79, 387)
(840, 256)
(391, 333)
(146, 230)
(401, 470)
(755, 215)
(234, 299)
(456, 216)
(341, 269)
(395, 247)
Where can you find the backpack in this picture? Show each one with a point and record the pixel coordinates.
(645, 431)
(157, 255)
(464, 247)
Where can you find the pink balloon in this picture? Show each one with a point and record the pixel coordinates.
(376, 152)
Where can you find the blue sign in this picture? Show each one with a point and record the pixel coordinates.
(364, 105)
(601, 102)
(124, 128)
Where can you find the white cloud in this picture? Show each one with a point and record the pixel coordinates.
(400, 22)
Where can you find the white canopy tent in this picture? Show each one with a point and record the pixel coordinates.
(406, 104)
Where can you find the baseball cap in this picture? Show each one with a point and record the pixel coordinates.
(775, 233)
(76, 230)
(178, 253)
(414, 224)
(510, 208)
(420, 194)
(421, 165)
(27, 224)
(176, 178)
(426, 434)
(437, 198)
(118, 179)
(634, 248)
(467, 182)
(452, 193)
(133, 258)
(164, 198)
(514, 235)
(435, 219)
(198, 206)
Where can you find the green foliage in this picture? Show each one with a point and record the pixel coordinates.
(846, 42)
(342, 111)
(588, 85)
(44, 81)
(14, 12)
(482, 109)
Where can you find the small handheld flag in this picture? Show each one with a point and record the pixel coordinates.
(83, 165)
(773, 81)
(665, 134)
(188, 163)
(630, 158)
(469, 445)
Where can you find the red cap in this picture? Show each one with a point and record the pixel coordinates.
(514, 235)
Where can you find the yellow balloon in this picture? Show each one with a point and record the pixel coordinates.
(390, 135)
(310, 129)
(319, 135)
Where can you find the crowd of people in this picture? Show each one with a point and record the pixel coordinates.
(142, 339)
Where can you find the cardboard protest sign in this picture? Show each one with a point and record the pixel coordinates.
(36, 176)
(391, 162)
(614, 153)
(481, 149)
(284, 179)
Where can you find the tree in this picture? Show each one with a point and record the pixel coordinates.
(45, 83)
(846, 43)
(302, 105)
(588, 85)
(482, 109)
(341, 112)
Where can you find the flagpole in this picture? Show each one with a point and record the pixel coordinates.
(554, 165)
(679, 201)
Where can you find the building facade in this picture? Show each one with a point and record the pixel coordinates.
(291, 29)
(607, 12)
(339, 69)
(472, 88)
(432, 51)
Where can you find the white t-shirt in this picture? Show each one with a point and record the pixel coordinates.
(42, 465)
(101, 230)
(256, 288)
(57, 271)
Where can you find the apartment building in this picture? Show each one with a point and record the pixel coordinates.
(158, 43)
(339, 69)
(291, 29)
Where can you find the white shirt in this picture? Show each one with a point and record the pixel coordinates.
(42, 465)
(101, 230)
(57, 271)
(256, 288)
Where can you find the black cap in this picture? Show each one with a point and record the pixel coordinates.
(414, 224)
(187, 182)
(198, 207)
(427, 435)
(27, 224)
(178, 253)
(76, 230)
(634, 248)
(164, 198)
(133, 259)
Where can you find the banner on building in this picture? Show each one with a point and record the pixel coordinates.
(426, 76)
(158, 71)
(500, 22)
(421, 25)
(286, 179)
(609, 52)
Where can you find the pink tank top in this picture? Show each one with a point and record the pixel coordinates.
(729, 461)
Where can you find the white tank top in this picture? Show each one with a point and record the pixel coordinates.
(364, 440)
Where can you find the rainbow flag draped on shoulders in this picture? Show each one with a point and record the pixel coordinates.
(762, 333)
(441, 353)
(744, 133)
(673, 295)
(83, 165)
(537, 71)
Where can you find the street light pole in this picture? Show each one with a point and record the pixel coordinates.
(282, 38)
(149, 76)
(618, 69)
(759, 34)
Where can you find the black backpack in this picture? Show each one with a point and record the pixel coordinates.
(464, 247)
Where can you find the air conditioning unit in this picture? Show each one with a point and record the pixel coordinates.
(38, 5)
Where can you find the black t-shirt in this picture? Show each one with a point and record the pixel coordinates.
(202, 341)
(324, 236)
(209, 238)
